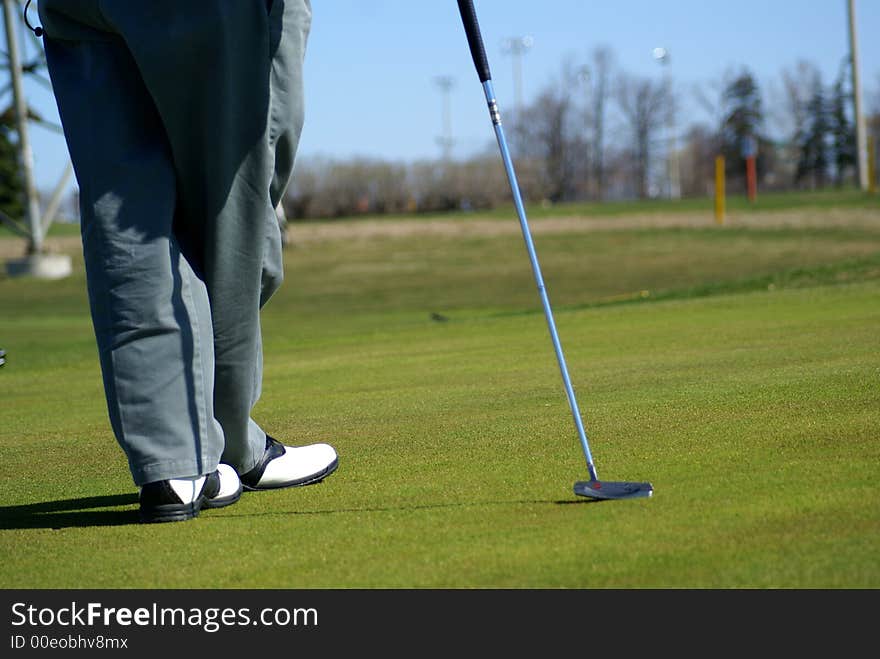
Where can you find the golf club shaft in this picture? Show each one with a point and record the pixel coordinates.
(539, 279)
(478, 52)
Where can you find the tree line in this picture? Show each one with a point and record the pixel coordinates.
(598, 133)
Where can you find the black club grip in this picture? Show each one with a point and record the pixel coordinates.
(475, 39)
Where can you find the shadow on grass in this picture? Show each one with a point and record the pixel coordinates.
(68, 513)
(78, 513)
(413, 507)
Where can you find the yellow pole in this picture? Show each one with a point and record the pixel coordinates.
(872, 165)
(719, 189)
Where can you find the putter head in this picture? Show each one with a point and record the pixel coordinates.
(612, 489)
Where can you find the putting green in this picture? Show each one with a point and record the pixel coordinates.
(752, 408)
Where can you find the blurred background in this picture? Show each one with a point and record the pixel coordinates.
(601, 101)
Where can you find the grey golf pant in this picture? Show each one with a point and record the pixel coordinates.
(182, 120)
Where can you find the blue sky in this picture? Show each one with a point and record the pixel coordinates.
(371, 64)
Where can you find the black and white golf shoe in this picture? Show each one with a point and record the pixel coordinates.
(290, 466)
(179, 499)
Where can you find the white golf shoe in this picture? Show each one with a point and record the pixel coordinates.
(290, 466)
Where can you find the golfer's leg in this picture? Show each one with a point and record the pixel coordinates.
(289, 26)
(216, 118)
(150, 312)
(206, 66)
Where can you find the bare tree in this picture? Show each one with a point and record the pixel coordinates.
(599, 71)
(799, 88)
(806, 111)
(710, 96)
(644, 104)
(548, 131)
(842, 128)
(699, 149)
(329, 188)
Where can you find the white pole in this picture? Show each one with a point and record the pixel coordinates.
(859, 118)
(673, 169)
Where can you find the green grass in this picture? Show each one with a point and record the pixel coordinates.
(832, 198)
(744, 386)
(766, 201)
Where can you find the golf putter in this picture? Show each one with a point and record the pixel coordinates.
(593, 488)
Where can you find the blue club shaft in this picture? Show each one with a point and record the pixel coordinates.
(536, 269)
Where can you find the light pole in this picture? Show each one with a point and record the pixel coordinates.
(445, 83)
(585, 76)
(517, 47)
(662, 56)
(859, 117)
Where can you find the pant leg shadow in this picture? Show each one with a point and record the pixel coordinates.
(70, 513)
(84, 512)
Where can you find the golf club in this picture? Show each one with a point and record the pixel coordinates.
(594, 488)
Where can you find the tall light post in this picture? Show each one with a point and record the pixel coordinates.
(585, 77)
(594, 100)
(445, 83)
(516, 47)
(859, 116)
(662, 56)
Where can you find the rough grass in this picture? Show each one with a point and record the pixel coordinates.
(748, 397)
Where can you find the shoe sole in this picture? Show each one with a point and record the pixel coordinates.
(308, 480)
(180, 512)
(222, 502)
(173, 512)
